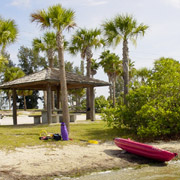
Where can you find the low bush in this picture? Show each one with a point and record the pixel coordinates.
(153, 108)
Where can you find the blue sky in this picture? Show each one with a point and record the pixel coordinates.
(161, 39)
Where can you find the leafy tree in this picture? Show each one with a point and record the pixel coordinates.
(10, 63)
(76, 95)
(123, 28)
(10, 74)
(24, 93)
(29, 60)
(8, 33)
(3, 64)
(60, 19)
(154, 107)
(100, 103)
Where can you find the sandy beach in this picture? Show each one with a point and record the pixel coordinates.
(43, 163)
(39, 162)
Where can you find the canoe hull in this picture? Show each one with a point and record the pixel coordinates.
(144, 150)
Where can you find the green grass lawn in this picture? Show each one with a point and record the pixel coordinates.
(28, 135)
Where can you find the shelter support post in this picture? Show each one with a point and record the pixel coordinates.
(88, 99)
(92, 104)
(58, 97)
(49, 105)
(14, 107)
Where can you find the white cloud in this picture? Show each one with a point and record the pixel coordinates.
(174, 3)
(20, 3)
(96, 2)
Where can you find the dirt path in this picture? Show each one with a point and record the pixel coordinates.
(41, 163)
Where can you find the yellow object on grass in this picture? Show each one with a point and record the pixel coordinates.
(43, 133)
(93, 142)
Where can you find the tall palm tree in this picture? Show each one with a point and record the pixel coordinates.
(46, 44)
(113, 67)
(123, 28)
(8, 33)
(84, 41)
(60, 19)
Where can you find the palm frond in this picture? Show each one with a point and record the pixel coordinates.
(8, 32)
(61, 18)
(84, 39)
(42, 18)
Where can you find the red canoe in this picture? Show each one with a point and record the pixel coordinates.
(144, 150)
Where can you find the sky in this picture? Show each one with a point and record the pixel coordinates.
(160, 40)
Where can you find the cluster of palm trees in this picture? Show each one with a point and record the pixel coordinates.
(122, 28)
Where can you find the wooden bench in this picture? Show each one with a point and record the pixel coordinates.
(37, 118)
(56, 118)
(1, 116)
(72, 117)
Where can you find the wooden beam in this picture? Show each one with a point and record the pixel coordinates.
(14, 107)
(92, 104)
(88, 106)
(58, 97)
(49, 106)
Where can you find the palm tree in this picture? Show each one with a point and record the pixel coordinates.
(8, 33)
(46, 44)
(143, 74)
(113, 67)
(123, 28)
(94, 67)
(84, 41)
(60, 19)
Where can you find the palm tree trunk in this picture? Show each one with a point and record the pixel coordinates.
(114, 90)
(89, 56)
(65, 110)
(125, 69)
(50, 54)
(50, 57)
(82, 67)
(110, 87)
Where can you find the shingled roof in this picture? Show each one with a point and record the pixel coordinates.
(39, 80)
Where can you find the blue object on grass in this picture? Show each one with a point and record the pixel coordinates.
(64, 132)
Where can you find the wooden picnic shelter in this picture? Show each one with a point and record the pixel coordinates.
(49, 80)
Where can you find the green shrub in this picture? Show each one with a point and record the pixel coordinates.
(153, 109)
